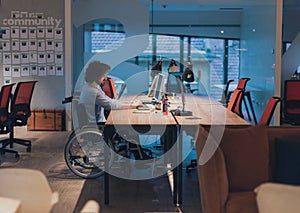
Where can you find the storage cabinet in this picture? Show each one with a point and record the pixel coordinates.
(46, 119)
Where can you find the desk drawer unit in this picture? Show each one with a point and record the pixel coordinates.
(46, 119)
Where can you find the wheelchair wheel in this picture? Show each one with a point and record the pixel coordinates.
(85, 153)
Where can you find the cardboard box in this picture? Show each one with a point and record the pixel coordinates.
(46, 119)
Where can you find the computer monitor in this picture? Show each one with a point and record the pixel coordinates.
(159, 87)
(152, 88)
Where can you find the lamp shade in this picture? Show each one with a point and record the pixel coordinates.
(188, 74)
(173, 66)
(156, 69)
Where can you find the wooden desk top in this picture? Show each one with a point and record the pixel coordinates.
(134, 117)
(128, 117)
(206, 112)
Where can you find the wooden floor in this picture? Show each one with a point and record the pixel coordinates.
(126, 196)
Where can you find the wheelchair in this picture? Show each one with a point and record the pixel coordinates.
(87, 152)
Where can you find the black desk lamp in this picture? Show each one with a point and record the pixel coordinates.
(187, 76)
(156, 69)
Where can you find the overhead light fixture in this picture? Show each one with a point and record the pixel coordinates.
(230, 8)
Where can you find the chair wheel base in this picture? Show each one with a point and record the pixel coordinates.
(191, 166)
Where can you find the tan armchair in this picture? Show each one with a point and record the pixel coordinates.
(28, 190)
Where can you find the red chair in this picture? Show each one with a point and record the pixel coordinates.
(291, 102)
(5, 96)
(20, 111)
(269, 110)
(235, 102)
(242, 83)
(109, 88)
(225, 95)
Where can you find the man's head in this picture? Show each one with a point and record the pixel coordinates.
(96, 71)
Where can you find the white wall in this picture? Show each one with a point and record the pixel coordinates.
(49, 90)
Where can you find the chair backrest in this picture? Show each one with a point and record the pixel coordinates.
(29, 186)
(235, 103)
(292, 97)
(225, 96)
(79, 110)
(20, 105)
(5, 95)
(108, 87)
(269, 110)
(242, 83)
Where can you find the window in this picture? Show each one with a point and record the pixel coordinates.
(217, 60)
(106, 41)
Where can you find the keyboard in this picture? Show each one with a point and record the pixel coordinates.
(148, 101)
(146, 107)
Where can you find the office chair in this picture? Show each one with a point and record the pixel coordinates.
(20, 112)
(242, 83)
(242, 86)
(108, 87)
(225, 95)
(246, 94)
(269, 110)
(291, 102)
(235, 103)
(5, 96)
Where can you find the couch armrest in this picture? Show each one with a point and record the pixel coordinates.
(213, 180)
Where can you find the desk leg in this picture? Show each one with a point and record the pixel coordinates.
(177, 172)
(106, 188)
(106, 168)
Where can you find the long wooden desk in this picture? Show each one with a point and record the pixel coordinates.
(206, 112)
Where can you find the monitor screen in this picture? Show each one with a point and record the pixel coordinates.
(152, 88)
(159, 87)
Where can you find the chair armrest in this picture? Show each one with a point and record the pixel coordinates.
(91, 207)
(213, 180)
(9, 205)
(54, 199)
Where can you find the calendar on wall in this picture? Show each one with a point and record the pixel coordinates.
(31, 44)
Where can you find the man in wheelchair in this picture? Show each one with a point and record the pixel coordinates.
(93, 97)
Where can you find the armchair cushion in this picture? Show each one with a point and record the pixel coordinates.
(277, 198)
(287, 169)
(246, 153)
